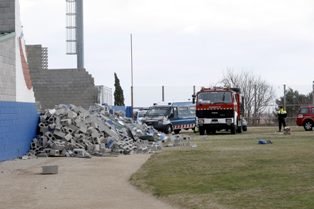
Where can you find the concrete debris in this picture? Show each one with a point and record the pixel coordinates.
(71, 131)
(287, 130)
(25, 157)
(81, 153)
(177, 141)
(49, 169)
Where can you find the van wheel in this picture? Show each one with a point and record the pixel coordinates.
(176, 131)
(308, 125)
(168, 129)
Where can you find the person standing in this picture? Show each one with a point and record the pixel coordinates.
(281, 114)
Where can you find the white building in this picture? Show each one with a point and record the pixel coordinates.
(104, 95)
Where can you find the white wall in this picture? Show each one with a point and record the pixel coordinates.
(23, 94)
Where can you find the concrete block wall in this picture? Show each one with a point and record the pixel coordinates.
(7, 16)
(7, 68)
(18, 126)
(60, 86)
(34, 59)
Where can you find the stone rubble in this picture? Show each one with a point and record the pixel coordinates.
(178, 141)
(71, 131)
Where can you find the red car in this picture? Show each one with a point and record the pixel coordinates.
(305, 117)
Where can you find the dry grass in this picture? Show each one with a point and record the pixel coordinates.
(234, 171)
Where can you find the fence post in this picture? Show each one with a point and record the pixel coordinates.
(163, 93)
(313, 94)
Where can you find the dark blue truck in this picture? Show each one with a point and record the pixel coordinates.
(171, 117)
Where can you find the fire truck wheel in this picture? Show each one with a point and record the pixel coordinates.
(201, 130)
(239, 129)
(233, 129)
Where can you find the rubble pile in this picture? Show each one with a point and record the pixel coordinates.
(71, 131)
(178, 141)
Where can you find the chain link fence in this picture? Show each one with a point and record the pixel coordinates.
(269, 117)
(145, 96)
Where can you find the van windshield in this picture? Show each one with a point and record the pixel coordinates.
(214, 97)
(158, 111)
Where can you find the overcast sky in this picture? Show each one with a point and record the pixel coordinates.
(181, 43)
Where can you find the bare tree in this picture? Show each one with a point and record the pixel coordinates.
(257, 93)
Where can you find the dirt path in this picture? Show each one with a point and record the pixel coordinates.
(96, 183)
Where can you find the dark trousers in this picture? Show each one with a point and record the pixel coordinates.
(282, 122)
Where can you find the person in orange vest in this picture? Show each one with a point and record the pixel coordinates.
(281, 114)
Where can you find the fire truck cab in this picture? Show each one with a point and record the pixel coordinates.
(220, 108)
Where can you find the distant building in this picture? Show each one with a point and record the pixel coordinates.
(104, 95)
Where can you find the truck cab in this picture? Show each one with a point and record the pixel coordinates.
(171, 117)
(220, 108)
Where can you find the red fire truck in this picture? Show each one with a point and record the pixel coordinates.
(220, 108)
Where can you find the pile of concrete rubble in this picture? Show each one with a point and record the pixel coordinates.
(71, 131)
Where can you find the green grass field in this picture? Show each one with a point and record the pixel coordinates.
(235, 172)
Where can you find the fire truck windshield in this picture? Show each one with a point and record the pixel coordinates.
(214, 97)
(158, 111)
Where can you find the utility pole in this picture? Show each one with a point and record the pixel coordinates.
(255, 105)
(131, 40)
(284, 96)
(193, 95)
(163, 93)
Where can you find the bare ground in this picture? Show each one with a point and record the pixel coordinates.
(96, 183)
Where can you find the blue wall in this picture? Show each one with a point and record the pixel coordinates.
(18, 126)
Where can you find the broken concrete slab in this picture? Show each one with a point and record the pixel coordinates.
(81, 153)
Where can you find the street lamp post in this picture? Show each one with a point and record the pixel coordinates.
(284, 96)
